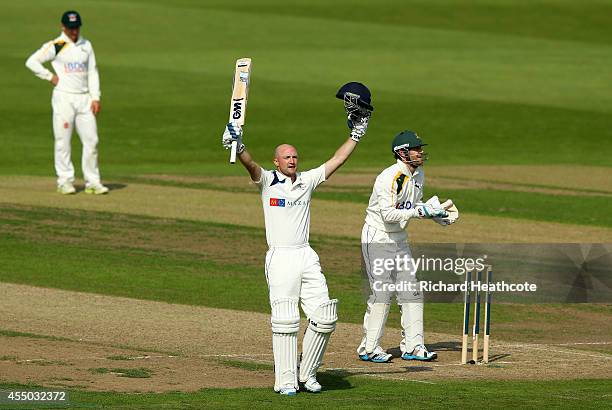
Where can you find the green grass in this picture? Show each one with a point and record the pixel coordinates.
(247, 365)
(11, 333)
(578, 210)
(344, 391)
(135, 373)
(143, 261)
(133, 273)
(487, 82)
(481, 82)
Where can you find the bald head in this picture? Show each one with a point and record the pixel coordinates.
(284, 149)
(286, 160)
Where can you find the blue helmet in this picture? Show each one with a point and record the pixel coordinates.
(358, 92)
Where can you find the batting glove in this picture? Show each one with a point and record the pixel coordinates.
(358, 127)
(233, 132)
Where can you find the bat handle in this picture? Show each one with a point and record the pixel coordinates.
(233, 152)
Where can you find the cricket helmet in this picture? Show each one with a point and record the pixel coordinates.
(359, 92)
(404, 142)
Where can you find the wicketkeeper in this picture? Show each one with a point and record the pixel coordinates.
(292, 267)
(396, 199)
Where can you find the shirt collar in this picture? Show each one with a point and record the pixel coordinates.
(298, 178)
(406, 170)
(68, 40)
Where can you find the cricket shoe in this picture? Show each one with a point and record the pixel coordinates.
(66, 189)
(96, 189)
(420, 353)
(376, 357)
(312, 385)
(287, 391)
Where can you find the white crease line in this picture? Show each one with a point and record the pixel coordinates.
(232, 355)
(404, 380)
(570, 352)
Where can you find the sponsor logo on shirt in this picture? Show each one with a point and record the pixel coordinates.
(403, 205)
(280, 202)
(283, 203)
(75, 67)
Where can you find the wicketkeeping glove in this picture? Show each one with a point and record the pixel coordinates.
(233, 132)
(425, 210)
(451, 210)
(358, 127)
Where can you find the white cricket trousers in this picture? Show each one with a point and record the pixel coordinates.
(378, 246)
(70, 111)
(295, 272)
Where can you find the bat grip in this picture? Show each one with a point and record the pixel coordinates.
(233, 152)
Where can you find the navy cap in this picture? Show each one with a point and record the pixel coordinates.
(71, 19)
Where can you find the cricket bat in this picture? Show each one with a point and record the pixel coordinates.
(240, 93)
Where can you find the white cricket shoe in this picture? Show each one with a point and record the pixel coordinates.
(420, 353)
(287, 391)
(96, 189)
(312, 385)
(66, 189)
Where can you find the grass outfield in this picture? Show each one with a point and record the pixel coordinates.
(366, 393)
(185, 262)
(480, 84)
(486, 83)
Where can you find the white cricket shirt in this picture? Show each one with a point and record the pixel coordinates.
(73, 63)
(286, 205)
(395, 191)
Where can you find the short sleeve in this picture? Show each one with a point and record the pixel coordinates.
(264, 178)
(316, 176)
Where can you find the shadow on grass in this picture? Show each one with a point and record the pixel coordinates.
(335, 379)
(116, 187)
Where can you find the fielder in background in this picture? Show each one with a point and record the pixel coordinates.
(75, 101)
(292, 267)
(396, 199)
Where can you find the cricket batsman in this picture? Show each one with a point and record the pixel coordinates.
(292, 267)
(75, 101)
(396, 199)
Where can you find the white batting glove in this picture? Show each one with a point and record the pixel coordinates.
(359, 127)
(233, 132)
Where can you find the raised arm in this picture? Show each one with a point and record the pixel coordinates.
(233, 132)
(340, 157)
(251, 166)
(358, 130)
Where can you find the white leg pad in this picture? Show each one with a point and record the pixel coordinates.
(320, 326)
(412, 326)
(285, 326)
(374, 324)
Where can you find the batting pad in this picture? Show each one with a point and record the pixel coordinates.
(284, 347)
(324, 318)
(285, 316)
(374, 324)
(412, 326)
(285, 325)
(320, 326)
